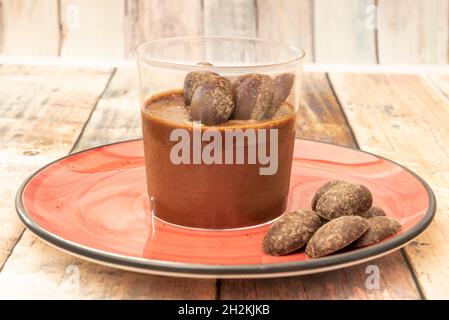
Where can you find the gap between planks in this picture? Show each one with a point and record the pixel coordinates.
(323, 111)
(403, 253)
(11, 250)
(218, 283)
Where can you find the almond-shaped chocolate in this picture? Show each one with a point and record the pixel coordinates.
(212, 102)
(283, 84)
(322, 190)
(344, 199)
(290, 232)
(336, 235)
(252, 96)
(194, 79)
(373, 212)
(204, 63)
(380, 228)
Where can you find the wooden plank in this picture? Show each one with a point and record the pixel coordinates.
(36, 270)
(287, 21)
(413, 31)
(42, 111)
(404, 118)
(1, 26)
(321, 118)
(229, 18)
(93, 28)
(349, 283)
(30, 27)
(342, 31)
(153, 19)
(117, 115)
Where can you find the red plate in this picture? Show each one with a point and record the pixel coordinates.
(93, 204)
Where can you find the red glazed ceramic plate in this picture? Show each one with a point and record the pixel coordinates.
(93, 204)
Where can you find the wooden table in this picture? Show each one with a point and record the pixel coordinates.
(49, 111)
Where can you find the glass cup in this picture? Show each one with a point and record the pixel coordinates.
(218, 123)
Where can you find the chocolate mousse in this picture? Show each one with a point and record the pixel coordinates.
(212, 157)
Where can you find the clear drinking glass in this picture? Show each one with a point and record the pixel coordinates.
(219, 143)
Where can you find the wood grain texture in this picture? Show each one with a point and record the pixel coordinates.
(404, 118)
(289, 21)
(1, 26)
(321, 118)
(413, 31)
(153, 19)
(92, 28)
(348, 283)
(342, 32)
(117, 114)
(36, 270)
(229, 18)
(30, 27)
(41, 116)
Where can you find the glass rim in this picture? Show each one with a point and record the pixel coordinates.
(141, 56)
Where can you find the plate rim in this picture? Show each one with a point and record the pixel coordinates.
(173, 268)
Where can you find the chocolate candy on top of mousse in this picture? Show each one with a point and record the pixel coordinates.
(283, 84)
(212, 102)
(252, 95)
(204, 63)
(194, 79)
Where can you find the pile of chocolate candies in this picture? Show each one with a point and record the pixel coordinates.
(214, 99)
(342, 215)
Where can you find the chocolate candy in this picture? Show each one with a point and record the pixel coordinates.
(204, 63)
(282, 86)
(336, 235)
(373, 212)
(291, 232)
(344, 199)
(212, 102)
(252, 95)
(194, 79)
(380, 228)
(323, 190)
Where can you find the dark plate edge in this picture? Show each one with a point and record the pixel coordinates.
(189, 268)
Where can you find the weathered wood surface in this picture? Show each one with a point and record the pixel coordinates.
(29, 27)
(229, 18)
(336, 31)
(1, 27)
(343, 32)
(321, 118)
(153, 19)
(42, 112)
(287, 21)
(413, 31)
(92, 28)
(37, 270)
(411, 110)
(404, 118)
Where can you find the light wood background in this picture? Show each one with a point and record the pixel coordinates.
(330, 31)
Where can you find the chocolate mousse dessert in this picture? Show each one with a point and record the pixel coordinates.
(218, 153)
